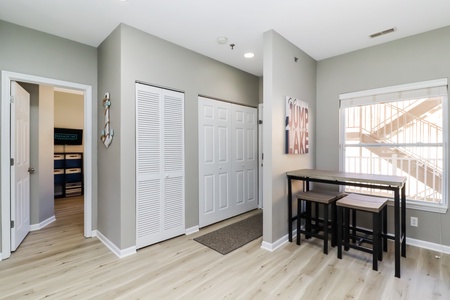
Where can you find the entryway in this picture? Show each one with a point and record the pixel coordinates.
(228, 160)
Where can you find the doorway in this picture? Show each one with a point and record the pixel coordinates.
(7, 78)
(228, 160)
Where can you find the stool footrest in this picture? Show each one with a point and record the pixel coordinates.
(360, 248)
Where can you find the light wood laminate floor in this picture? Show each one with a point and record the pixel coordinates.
(57, 262)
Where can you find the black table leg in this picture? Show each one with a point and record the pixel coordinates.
(397, 231)
(403, 229)
(290, 208)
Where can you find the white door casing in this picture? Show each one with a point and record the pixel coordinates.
(6, 178)
(159, 165)
(227, 160)
(20, 148)
(261, 153)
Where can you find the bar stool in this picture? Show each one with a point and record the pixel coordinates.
(324, 198)
(374, 205)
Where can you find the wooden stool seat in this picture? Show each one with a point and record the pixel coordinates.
(319, 197)
(374, 205)
(363, 203)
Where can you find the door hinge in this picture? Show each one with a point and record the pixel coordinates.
(11, 99)
(260, 121)
(12, 161)
(12, 224)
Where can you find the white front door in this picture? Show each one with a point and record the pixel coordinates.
(227, 160)
(20, 152)
(245, 158)
(215, 158)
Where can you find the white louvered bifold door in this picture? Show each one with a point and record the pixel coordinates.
(159, 165)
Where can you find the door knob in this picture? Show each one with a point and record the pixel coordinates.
(31, 170)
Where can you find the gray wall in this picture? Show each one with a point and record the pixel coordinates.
(31, 52)
(417, 58)
(129, 55)
(109, 165)
(283, 77)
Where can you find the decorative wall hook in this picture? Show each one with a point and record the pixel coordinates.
(107, 132)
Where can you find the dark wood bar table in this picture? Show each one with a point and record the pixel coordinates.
(396, 184)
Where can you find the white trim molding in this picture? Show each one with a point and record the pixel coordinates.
(278, 243)
(192, 230)
(120, 253)
(409, 241)
(41, 225)
(395, 88)
(5, 188)
(428, 245)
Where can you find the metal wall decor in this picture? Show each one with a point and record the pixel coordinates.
(107, 132)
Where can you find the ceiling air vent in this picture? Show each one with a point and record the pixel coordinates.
(382, 33)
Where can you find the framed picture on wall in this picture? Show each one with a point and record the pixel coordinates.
(296, 124)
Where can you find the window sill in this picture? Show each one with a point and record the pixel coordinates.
(430, 207)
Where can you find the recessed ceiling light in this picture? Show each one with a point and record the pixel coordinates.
(249, 55)
(222, 40)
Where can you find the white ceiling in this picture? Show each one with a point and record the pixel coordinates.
(321, 28)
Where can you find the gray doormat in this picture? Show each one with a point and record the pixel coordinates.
(233, 236)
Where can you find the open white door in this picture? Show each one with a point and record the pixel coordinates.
(20, 152)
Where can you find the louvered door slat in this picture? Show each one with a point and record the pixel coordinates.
(173, 134)
(148, 132)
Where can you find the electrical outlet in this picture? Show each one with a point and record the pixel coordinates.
(414, 221)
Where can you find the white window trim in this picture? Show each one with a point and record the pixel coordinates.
(410, 204)
(395, 89)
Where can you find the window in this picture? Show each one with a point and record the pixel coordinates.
(401, 131)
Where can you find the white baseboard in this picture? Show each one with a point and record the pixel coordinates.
(428, 245)
(280, 242)
(409, 241)
(34, 227)
(114, 249)
(192, 230)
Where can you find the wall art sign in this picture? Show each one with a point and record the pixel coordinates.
(296, 126)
